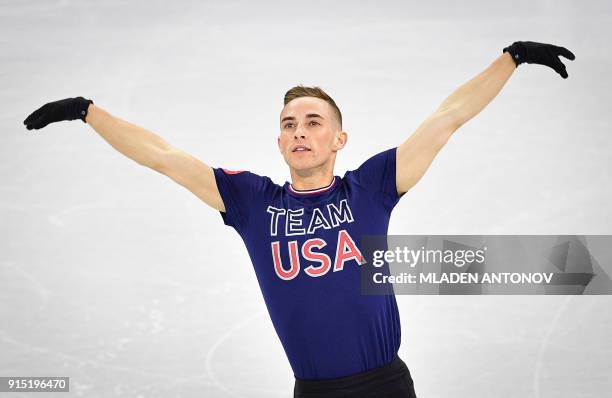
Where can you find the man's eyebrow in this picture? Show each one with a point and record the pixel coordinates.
(308, 115)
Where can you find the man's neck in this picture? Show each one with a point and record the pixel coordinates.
(305, 184)
(303, 181)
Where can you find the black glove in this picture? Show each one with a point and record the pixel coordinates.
(540, 53)
(66, 109)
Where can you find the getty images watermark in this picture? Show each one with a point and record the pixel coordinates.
(486, 264)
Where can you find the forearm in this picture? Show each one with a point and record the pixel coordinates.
(472, 97)
(133, 141)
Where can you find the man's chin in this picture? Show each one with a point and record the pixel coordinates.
(301, 165)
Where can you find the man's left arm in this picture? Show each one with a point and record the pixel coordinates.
(414, 156)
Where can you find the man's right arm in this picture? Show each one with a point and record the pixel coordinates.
(150, 150)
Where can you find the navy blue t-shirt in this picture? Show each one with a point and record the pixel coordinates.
(304, 249)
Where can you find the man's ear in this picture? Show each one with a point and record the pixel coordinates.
(341, 139)
(278, 143)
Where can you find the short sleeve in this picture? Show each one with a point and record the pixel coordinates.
(240, 190)
(377, 175)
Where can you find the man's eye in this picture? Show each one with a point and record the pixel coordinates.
(288, 125)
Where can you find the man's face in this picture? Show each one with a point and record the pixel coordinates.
(310, 134)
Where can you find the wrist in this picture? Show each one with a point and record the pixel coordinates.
(517, 52)
(88, 112)
(83, 105)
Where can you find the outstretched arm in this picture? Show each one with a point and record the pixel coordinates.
(150, 150)
(414, 156)
(136, 143)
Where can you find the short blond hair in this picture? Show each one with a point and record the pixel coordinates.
(317, 92)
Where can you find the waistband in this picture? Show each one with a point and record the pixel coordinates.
(397, 367)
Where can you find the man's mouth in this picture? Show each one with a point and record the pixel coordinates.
(300, 148)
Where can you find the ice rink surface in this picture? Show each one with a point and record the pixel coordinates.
(115, 276)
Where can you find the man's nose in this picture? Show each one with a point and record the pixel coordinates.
(299, 133)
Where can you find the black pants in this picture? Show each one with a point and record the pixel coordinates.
(390, 381)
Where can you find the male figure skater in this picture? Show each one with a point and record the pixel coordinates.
(303, 237)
